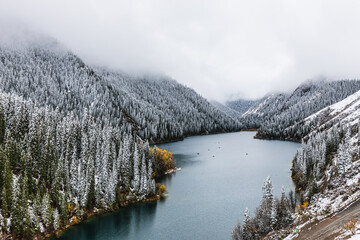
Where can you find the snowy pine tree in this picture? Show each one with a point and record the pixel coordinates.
(247, 233)
(263, 213)
(46, 211)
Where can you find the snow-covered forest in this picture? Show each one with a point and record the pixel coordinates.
(325, 171)
(279, 116)
(240, 105)
(329, 151)
(154, 106)
(228, 111)
(326, 168)
(74, 138)
(271, 215)
(56, 166)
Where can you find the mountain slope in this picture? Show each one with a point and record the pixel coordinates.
(346, 110)
(227, 110)
(326, 168)
(56, 168)
(155, 107)
(326, 174)
(168, 107)
(240, 105)
(263, 110)
(331, 143)
(69, 137)
(276, 114)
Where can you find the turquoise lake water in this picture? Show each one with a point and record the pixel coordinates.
(221, 175)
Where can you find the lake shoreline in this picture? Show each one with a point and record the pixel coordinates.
(152, 142)
(215, 133)
(170, 205)
(58, 233)
(278, 139)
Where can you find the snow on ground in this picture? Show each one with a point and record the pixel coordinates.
(296, 230)
(257, 107)
(353, 180)
(344, 191)
(327, 203)
(341, 191)
(347, 234)
(355, 237)
(339, 106)
(348, 105)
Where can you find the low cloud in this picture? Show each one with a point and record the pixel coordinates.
(222, 49)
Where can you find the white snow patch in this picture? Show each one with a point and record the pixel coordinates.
(355, 237)
(353, 180)
(342, 106)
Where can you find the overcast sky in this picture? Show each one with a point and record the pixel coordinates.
(222, 49)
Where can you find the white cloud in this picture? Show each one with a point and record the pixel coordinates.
(220, 48)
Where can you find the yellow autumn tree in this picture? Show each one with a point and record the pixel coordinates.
(164, 161)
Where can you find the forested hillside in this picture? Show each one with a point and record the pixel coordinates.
(275, 114)
(73, 138)
(326, 168)
(331, 146)
(325, 171)
(56, 168)
(326, 174)
(155, 107)
(240, 105)
(263, 110)
(228, 111)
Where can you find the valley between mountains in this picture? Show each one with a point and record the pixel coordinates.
(75, 142)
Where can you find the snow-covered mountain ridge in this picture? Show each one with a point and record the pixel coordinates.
(277, 116)
(326, 167)
(73, 137)
(241, 105)
(326, 170)
(154, 106)
(345, 110)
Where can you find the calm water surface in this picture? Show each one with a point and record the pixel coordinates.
(221, 175)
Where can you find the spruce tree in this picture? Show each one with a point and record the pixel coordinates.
(136, 179)
(236, 233)
(274, 215)
(247, 233)
(7, 189)
(46, 211)
(263, 213)
(283, 213)
(56, 220)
